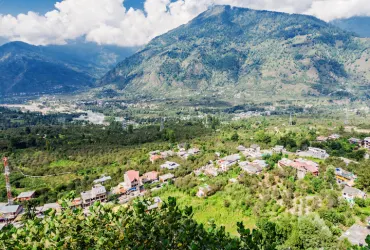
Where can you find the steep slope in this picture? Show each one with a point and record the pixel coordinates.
(29, 69)
(240, 53)
(359, 25)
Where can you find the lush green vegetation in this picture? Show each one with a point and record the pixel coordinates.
(166, 228)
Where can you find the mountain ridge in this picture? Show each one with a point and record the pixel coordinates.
(30, 69)
(232, 50)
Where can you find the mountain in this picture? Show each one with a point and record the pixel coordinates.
(359, 25)
(236, 53)
(29, 69)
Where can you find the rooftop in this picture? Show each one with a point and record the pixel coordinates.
(356, 234)
(9, 209)
(26, 194)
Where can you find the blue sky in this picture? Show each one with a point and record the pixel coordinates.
(15, 7)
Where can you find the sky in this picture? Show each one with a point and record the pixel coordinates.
(135, 22)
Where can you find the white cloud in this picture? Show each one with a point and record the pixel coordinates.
(109, 22)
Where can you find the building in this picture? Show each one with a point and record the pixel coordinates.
(278, 149)
(166, 177)
(355, 141)
(356, 235)
(155, 156)
(228, 161)
(321, 138)
(170, 165)
(301, 165)
(149, 177)
(185, 154)
(250, 168)
(53, 206)
(102, 180)
(203, 191)
(208, 169)
(367, 143)
(344, 177)
(132, 180)
(26, 196)
(241, 148)
(334, 137)
(76, 203)
(97, 193)
(350, 193)
(314, 152)
(10, 212)
(255, 148)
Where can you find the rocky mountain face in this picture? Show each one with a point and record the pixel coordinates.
(28, 69)
(236, 53)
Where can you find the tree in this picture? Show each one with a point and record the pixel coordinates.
(235, 137)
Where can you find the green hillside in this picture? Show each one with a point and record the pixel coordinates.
(247, 54)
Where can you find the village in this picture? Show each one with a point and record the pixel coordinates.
(251, 160)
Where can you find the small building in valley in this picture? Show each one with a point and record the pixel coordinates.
(149, 177)
(350, 193)
(301, 165)
(26, 196)
(203, 191)
(166, 177)
(10, 212)
(356, 235)
(170, 165)
(345, 177)
(97, 193)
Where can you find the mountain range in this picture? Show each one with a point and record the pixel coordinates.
(226, 53)
(359, 25)
(229, 52)
(29, 69)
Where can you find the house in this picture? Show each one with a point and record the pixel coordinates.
(132, 180)
(350, 193)
(334, 137)
(149, 177)
(154, 158)
(301, 165)
(170, 165)
(355, 141)
(228, 161)
(241, 148)
(250, 168)
(166, 177)
(77, 202)
(314, 152)
(166, 154)
(321, 138)
(278, 149)
(203, 191)
(367, 143)
(97, 193)
(185, 154)
(233, 180)
(102, 179)
(10, 212)
(255, 148)
(344, 177)
(356, 234)
(208, 169)
(26, 196)
(53, 206)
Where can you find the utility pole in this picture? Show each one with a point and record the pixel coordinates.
(290, 119)
(7, 181)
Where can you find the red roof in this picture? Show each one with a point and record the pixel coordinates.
(305, 165)
(153, 175)
(133, 175)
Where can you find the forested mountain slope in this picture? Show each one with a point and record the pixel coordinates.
(241, 53)
(29, 69)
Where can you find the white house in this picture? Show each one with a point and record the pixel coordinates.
(170, 165)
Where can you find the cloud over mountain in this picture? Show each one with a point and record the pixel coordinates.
(109, 22)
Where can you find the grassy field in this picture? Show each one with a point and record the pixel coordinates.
(212, 208)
